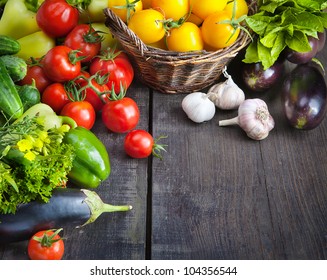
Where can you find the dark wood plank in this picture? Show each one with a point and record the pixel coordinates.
(220, 195)
(113, 235)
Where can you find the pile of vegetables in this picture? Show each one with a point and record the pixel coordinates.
(286, 31)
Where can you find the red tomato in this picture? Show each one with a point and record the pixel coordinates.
(61, 64)
(55, 96)
(140, 144)
(84, 39)
(56, 17)
(93, 93)
(120, 115)
(46, 245)
(35, 72)
(82, 112)
(118, 67)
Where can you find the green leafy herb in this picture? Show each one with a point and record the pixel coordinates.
(33, 162)
(284, 23)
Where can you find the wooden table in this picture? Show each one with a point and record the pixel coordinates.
(216, 195)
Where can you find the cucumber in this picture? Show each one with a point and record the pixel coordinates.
(8, 45)
(29, 95)
(10, 103)
(16, 67)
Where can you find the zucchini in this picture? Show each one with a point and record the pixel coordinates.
(29, 95)
(8, 45)
(67, 207)
(16, 67)
(10, 102)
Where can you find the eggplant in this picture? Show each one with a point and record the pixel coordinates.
(258, 79)
(67, 207)
(303, 57)
(304, 97)
(322, 40)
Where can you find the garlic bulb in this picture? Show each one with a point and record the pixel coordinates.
(254, 118)
(198, 107)
(226, 95)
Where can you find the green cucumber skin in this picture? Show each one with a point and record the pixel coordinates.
(8, 45)
(10, 103)
(16, 67)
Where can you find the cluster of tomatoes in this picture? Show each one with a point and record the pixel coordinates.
(183, 25)
(79, 80)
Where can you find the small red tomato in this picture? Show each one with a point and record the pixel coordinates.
(82, 112)
(117, 66)
(140, 144)
(55, 96)
(61, 64)
(120, 115)
(84, 39)
(46, 245)
(56, 17)
(35, 72)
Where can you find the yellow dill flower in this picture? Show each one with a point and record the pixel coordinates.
(25, 145)
(38, 144)
(30, 155)
(43, 135)
(64, 128)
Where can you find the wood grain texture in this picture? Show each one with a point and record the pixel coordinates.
(216, 194)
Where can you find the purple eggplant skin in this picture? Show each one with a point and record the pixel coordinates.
(303, 57)
(304, 97)
(322, 40)
(257, 79)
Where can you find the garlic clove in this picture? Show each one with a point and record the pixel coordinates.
(198, 107)
(254, 118)
(226, 95)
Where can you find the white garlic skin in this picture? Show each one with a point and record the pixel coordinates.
(226, 95)
(255, 119)
(198, 107)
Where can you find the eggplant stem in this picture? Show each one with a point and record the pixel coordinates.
(97, 206)
(233, 121)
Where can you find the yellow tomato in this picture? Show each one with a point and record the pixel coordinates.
(148, 25)
(125, 8)
(171, 9)
(204, 8)
(219, 35)
(195, 19)
(185, 38)
(160, 44)
(241, 8)
(146, 4)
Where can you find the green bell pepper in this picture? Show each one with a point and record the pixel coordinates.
(91, 165)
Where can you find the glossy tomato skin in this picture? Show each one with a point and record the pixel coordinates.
(185, 38)
(55, 96)
(57, 18)
(38, 252)
(148, 25)
(119, 68)
(138, 143)
(219, 35)
(171, 8)
(82, 112)
(60, 64)
(36, 73)
(120, 116)
(84, 39)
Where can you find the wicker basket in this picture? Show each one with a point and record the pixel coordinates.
(174, 72)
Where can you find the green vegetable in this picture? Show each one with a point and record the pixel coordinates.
(35, 45)
(284, 23)
(33, 162)
(18, 19)
(29, 95)
(10, 104)
(49, 117)
(91, 165)
(8, 45)
(16, 66)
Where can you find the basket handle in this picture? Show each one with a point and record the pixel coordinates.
(118, 27)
